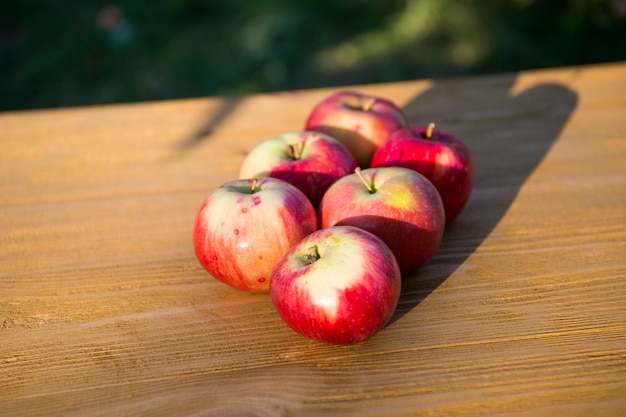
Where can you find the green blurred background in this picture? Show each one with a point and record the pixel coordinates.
(68, 53)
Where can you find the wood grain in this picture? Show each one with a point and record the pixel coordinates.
(104, 310)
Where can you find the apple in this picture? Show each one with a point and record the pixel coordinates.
(338, 285)
(246, 225)
(439, 156)
(362, 122)
(398, 205)
(309, 160)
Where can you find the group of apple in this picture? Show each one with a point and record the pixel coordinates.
(328, 219)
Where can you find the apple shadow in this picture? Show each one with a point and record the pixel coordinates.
(396, 233)
(312, 184)
(339, 132)
(508, 135)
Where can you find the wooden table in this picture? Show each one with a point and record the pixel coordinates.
(105, 311)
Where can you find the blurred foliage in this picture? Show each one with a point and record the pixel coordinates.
(66, 53)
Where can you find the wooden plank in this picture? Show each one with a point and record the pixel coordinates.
(104, 309)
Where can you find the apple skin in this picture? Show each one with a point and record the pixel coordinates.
(360, 121)
(405, 211)
(345, 296)
(311, 161)
(442, 158)
(246, 225)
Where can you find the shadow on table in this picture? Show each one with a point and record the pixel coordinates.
(227, 107)
(508, 135)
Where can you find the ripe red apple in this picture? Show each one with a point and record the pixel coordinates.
(338, 285)
(361, 122)
(439, 156)
(245, 226)
(309, 160)
(398, 205)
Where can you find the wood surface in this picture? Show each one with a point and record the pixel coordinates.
(105, 311)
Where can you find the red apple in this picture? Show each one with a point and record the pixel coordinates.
(361, 122)
(309, 160)
(439, 156)
(245, 226)
(338, 285)
(398, 205)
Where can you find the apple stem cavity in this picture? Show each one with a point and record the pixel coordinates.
(368, 104)
(368, 184)
(429, 130)
(312, 256)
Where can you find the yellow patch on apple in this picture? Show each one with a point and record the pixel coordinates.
(397, 197)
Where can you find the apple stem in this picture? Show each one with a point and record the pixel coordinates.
(429, 130)
(295, 151)
(368, 104)
(254, 185)
(365, 182)
(312, 256)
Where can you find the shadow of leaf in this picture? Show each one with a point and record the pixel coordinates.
(227, 107)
